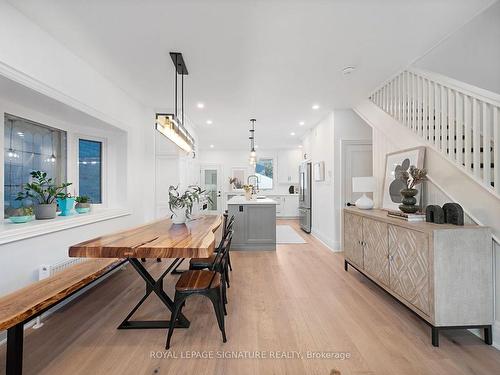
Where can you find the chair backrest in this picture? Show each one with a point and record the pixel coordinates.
(224, 225)
(229, 225)
(221, 254)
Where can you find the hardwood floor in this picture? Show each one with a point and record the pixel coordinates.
(297, 299)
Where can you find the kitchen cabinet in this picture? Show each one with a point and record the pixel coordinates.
(288, 166)
(442, 272)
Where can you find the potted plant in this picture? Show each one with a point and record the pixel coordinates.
(44, 192)
(21, 215)
(248, 191)
(65, 202)
(82, 204)
(411, 178)
(181, 205)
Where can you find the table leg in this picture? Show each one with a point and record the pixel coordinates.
(155, 286)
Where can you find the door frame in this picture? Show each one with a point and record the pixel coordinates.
(220, 172)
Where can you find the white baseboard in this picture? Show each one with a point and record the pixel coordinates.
(325, 240)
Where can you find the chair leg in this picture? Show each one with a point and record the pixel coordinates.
(216, 298)
(229, 261)
(178, 303)
(226, 271)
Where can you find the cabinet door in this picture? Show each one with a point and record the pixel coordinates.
(376, 250)
(409, 266)
(353, 235)
(260, 224)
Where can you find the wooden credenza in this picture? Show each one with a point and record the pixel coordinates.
(442, 272)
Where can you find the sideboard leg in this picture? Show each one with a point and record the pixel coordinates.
(346, 265)
(488, 335)
(435, 336)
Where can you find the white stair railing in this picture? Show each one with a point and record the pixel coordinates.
(460, 120)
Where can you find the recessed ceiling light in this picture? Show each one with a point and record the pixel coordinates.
(300, 146)
(211, 146)
(292, 133)
(302, 123)
(348, 70)
(209, 122)
(200, 105)
(315, 106)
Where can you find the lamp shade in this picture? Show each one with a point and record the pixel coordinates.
(364, 184)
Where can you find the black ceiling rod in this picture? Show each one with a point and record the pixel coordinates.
(175, 111)
(182, 97)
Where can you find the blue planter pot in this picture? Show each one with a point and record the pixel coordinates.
(66, 206)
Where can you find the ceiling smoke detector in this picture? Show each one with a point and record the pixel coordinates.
(348, 70)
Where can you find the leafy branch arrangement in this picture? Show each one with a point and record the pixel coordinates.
(186, 200)
(413, 176)
(43, 189)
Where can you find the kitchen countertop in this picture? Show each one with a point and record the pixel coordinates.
(240, 199)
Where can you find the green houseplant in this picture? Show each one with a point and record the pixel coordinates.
(21, 215)
(181, 205)
(82, 204)
(44, 192)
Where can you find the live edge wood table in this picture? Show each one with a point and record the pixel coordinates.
(160, 239)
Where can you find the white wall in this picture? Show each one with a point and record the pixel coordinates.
(229, 159)
(32, 58)
(472, 54)
(318, 145)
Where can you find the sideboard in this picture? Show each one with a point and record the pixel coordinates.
(442, 272)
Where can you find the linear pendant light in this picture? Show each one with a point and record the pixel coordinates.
(169, 124)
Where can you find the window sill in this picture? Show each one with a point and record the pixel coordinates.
(10, 232)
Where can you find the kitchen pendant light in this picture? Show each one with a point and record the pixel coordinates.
(253, 155)
(169, 124)
(11, 153)
(52, 158)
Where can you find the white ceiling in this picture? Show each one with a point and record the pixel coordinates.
(266, 59)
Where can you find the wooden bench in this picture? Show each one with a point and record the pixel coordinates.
(27, 303)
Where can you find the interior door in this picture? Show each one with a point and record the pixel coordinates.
(357, 162)
(211, 180)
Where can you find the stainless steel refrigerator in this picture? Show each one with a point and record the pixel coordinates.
(305, 196)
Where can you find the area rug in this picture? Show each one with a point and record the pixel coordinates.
(286, 234)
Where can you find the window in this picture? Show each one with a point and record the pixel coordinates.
(29, 146)
(90, 169)
(264, 171)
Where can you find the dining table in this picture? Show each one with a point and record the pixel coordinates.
(156, 240)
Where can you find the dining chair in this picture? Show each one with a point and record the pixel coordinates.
(208, 283)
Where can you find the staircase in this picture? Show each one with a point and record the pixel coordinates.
(459, 120)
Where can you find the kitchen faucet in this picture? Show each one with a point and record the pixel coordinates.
(255, 187)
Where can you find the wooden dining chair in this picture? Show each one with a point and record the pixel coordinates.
(203, 263)
(208, 283)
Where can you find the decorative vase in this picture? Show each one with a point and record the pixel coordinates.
(66, 205)
(248, 195)
(45, 211)
(409, 201)
(179, 215)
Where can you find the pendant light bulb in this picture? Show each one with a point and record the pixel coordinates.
(52, 158)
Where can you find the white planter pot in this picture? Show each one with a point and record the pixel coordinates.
(179, 216)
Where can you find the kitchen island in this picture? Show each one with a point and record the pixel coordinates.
(255, 223)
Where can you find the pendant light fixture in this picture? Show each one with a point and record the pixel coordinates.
(52, 158)
(169, 124)
(11, 153)
(253, 155)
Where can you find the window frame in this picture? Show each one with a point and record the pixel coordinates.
(104, 163)
(274, 171)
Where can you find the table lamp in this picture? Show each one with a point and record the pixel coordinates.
(364, 185)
